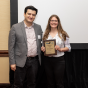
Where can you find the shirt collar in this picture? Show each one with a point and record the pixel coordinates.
(28, 27)
(55, 35)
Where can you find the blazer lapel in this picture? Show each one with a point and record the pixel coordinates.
(24, 32)
(36, 34)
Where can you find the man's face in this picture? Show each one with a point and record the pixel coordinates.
(30, 15)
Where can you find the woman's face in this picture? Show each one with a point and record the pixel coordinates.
(54, 22)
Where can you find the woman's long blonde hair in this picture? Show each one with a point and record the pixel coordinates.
(59, 28)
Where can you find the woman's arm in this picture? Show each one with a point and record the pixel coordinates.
(66, 48)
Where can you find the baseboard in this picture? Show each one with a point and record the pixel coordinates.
(5, 85)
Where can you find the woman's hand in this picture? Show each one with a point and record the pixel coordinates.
(43, 48)
(58, 48)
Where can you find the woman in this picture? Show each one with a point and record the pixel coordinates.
(55, 64)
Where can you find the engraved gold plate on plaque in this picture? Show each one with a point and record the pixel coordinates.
(50, 47)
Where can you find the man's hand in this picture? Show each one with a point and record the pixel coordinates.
(13, 67)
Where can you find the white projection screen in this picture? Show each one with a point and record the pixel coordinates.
(72, 13)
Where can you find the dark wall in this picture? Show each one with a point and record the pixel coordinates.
(13, 11)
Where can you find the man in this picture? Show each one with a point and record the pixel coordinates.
(25, 49)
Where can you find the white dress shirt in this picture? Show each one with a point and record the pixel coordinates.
(60, 43)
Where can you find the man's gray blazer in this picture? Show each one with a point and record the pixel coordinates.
(18, 43)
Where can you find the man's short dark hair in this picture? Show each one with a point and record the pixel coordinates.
(30, 7)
